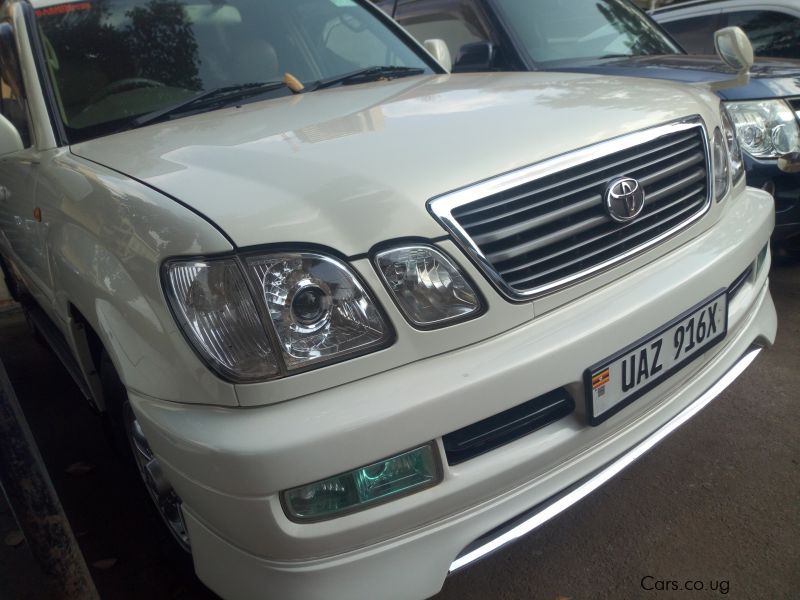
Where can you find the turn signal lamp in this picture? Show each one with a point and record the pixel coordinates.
(429, 289)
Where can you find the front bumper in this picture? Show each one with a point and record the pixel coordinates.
(539, 515)
(228, 465)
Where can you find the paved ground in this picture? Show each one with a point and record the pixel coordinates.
(717, 503)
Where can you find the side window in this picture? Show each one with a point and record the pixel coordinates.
(695, 35)
(12, 94)
(457, 23)
(771, 33)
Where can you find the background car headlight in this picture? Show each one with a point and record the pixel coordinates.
(765, 128)
(212, 304)
(427, 287)
(721, 164)
(319, 310)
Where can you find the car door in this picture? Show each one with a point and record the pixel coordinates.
(695, 34)
(772, 32)
(23, 235)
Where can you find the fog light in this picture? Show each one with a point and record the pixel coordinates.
(381, 481)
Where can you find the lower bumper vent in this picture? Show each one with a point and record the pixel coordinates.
(739, 282)
(507, 426)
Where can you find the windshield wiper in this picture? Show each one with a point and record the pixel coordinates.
(605, 56)
(216, 96)
(368, 74)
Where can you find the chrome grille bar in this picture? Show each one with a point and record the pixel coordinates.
(637, 234)
(540, 228)
(563, 184)
(586, 245)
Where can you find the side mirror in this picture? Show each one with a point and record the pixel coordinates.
(734, 48)
(440, 52)
(10, 140)
(476, 56)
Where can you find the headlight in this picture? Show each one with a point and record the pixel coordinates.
(212, 304)
(427, 287)
(721, 165)
(734, 150)
(313, 305)
(318, 308)
(765, 128)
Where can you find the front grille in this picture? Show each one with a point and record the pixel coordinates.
(549, 227)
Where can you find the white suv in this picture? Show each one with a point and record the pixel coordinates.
(358, 322)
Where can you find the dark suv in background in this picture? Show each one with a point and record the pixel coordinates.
(614, 37)
(773, 26)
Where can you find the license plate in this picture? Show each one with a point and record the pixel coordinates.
(620, 379)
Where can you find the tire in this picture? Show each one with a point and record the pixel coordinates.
(20, 295)
(10, 281)
(128, 440)
(37, 335)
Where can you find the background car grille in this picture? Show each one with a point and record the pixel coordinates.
(555, 228)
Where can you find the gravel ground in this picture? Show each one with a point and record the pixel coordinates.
(717, 503)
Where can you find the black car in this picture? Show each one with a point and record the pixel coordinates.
(773, 27)
(614, 37)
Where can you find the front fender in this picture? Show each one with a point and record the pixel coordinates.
(108, 236)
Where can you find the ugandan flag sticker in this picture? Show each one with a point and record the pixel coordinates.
(600, 379)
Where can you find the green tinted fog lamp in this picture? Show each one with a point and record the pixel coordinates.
(384, 480)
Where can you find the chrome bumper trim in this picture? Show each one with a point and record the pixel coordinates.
(549, 509)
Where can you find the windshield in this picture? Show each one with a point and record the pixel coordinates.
(112, 61)
(568, 30)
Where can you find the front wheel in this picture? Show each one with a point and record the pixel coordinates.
(131, 441)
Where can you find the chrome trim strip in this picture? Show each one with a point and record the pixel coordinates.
(561, 503)
(442, 207)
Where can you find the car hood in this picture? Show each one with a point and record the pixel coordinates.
(769, 78)
(349, 167)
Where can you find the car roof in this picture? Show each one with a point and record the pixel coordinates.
(688, 7)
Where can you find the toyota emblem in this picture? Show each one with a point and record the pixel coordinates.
(624, 199)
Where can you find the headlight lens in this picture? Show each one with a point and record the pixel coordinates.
(427, 287)
(721, 165)
(765, 128)
(213, 305)
(318, 308)
(734, 150)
